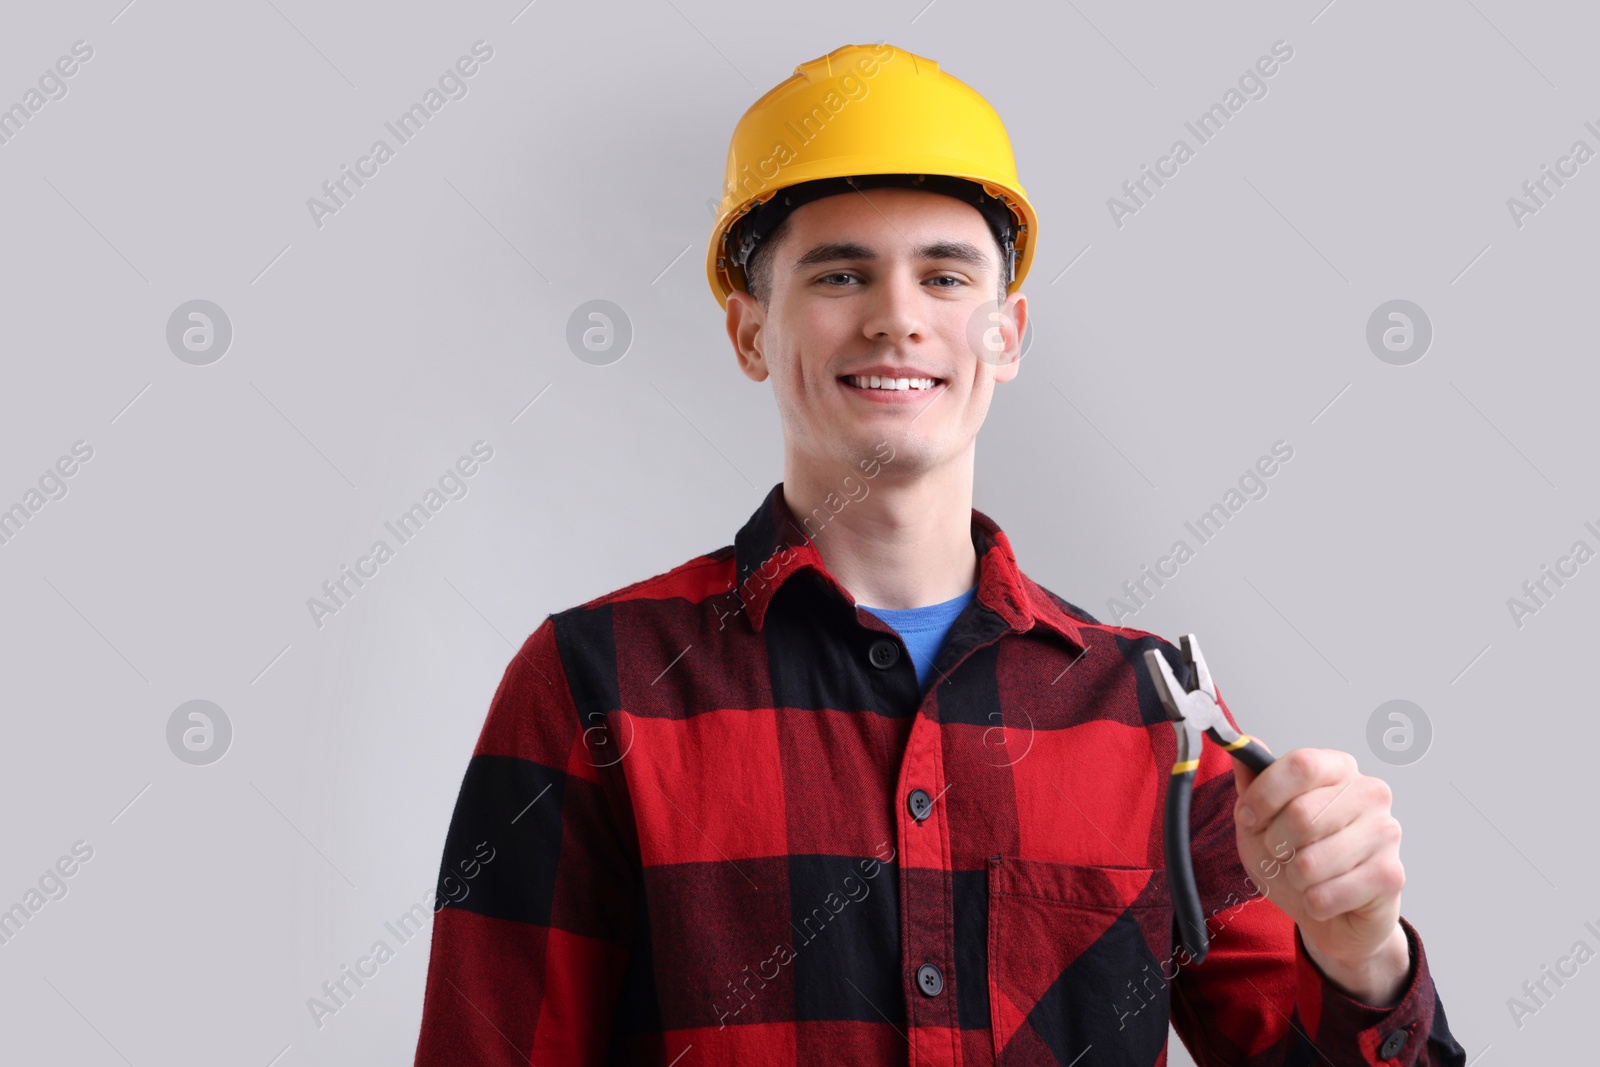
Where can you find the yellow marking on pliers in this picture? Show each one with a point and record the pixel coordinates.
(1185, 767)
(1244, 739)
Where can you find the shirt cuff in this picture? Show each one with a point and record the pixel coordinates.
(1353, 1032)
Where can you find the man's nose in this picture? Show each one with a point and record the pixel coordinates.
(896, 308)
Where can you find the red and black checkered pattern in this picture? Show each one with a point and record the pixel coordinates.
(698, 789)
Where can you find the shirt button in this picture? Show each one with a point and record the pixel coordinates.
(1393, 1044)
(884, 653)
(929, 980)
(920, 804)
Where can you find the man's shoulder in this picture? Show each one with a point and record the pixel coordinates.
(1046, 596)
(582, 640)
(692, 582)
(1132, 639)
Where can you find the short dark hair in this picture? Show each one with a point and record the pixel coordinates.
(758, 267)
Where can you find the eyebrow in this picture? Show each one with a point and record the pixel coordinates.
(833, 251)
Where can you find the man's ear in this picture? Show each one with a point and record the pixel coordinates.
(1014, 313)
(746, 319)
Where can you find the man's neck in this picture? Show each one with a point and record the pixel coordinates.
(893, 543)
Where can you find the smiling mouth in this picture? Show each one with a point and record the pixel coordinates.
(874, 383)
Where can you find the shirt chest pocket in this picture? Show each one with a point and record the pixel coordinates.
(1080, 957)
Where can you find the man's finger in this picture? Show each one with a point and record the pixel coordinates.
(1316, 814)
(1297, 771)
(1336, 854)
(1355, 890)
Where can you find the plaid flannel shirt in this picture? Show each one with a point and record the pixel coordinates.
(730, 829)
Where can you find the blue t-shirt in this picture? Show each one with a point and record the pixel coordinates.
(924, 629)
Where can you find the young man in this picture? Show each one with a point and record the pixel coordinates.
(854, 789)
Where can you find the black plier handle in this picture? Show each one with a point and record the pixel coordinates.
(1195, 714)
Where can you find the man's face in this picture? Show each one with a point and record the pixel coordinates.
(886, 277)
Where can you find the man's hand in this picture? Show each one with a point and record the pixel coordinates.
(1316, 835)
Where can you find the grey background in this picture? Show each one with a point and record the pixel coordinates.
(429, 313)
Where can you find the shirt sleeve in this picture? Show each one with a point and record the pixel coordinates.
(1259, 998)
(534, 914)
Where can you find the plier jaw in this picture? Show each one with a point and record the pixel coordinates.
(1195, 709)
(1194, 713)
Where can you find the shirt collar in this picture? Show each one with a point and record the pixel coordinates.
(773, 546)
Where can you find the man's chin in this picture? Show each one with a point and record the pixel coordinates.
(894, 455)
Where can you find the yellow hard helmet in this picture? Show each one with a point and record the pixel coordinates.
(864, 116)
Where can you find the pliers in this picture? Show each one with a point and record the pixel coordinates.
(1193, 711)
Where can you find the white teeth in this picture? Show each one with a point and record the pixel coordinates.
(863, 381)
